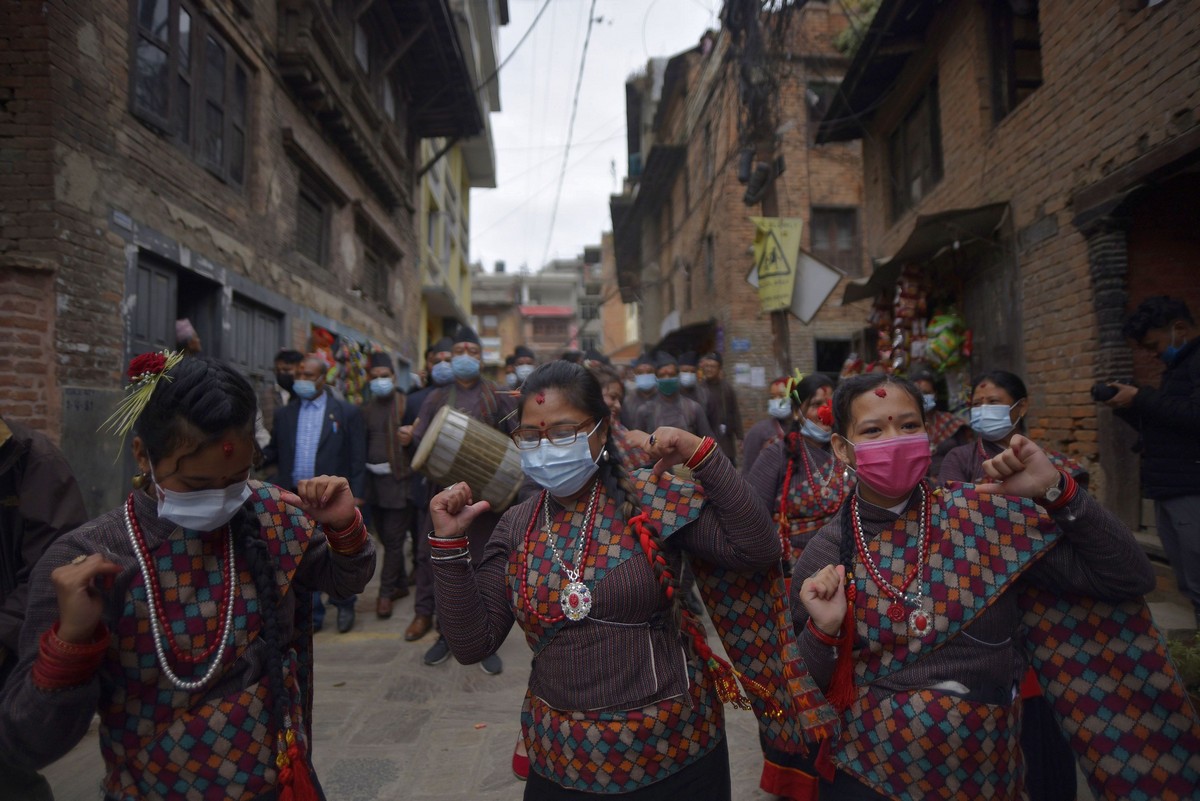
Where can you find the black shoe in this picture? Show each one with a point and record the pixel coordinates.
(438, 653)
(491, 665)
(345, 619)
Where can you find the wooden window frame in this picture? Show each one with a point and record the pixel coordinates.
(849, 262)
(230, 167)
(1008, 89)
(310, 187)
(904, 141)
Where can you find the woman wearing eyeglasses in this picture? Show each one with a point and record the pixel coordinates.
(999, 403)
(622, 696)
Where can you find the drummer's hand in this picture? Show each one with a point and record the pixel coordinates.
(326, 499)
(670, 446)
(404, 434)
(452, 510)
(1023, 470)
(823, 599)
(80, 603)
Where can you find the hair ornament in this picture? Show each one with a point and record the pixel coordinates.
(793, 386)
(143, 373)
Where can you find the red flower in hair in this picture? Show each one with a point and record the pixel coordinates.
(825, 413)
(146, 364)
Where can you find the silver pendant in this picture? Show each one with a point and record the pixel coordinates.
(920, 622)
(576, 601)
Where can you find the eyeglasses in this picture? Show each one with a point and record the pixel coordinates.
(528, 437)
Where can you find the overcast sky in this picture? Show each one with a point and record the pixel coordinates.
(512, 222)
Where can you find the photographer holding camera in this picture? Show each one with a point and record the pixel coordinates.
(1168, 421)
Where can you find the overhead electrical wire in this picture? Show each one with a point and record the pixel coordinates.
(516, 47)
(562, 173)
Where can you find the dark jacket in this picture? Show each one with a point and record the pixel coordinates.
(39, 502)
(1168, 420)
(341, 451)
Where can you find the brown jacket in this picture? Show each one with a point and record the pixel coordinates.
(39, 502)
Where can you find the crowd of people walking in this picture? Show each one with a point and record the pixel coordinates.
(914, 597)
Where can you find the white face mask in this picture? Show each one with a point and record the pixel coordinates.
(814, 432)
(687, 380)
(201, 510)
(523, 372)
(561, 469)
(929, 401)
(779, 408)
(510, 379)
(992, 421)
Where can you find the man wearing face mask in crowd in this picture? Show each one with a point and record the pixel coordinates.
(724, 415)
(438, 373)
(1168, 424)
(645, 389)
(480, 399)
(668, 408)
(769, 430)
(320, 435)
(946, 431)
(388, 478)
(524, 363)
(690, 385)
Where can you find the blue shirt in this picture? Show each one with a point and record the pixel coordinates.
(308, 436)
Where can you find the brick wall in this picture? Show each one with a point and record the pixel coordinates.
(1117, 83)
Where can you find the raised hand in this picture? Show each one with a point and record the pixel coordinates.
(1023, 469)
(824, 600)
(80, 603)
(670, 446)
(452, 511)
(326, 499)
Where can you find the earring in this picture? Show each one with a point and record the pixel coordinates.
(140, 480)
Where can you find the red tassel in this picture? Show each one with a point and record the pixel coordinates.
(295, 782)
(842, 691)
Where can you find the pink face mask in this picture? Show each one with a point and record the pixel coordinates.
(893, 467)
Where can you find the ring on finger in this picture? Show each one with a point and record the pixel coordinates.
(651, 440)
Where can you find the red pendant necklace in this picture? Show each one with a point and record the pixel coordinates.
(919, 621)
(156, 604)
(575, 599)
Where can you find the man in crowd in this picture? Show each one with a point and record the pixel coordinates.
(320, 435)
(524, 363)
(645, 390)
(723, 414)
(690, 385)
(388, 478)
(669, 408)
(1168, 422)
(480, 399)
(438, 373)
(39, 502)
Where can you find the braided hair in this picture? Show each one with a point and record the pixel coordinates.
(581, 390)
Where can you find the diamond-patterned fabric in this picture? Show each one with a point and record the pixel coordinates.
(810, 505)
(215, 743)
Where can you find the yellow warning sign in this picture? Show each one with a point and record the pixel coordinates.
(776, 248)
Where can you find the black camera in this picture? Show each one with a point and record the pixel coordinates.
(1102, 392)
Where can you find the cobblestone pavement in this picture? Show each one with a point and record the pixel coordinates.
(388, 727)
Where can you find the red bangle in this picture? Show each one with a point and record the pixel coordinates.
(702, 452)
(349, 540)
(61, 664)
(1070, 488)
(448, 542)
(822, 636)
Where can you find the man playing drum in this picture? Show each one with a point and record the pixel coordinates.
(479, 398)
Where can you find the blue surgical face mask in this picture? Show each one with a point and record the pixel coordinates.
(561, 469)
(442, 373)
(382, 387)
(645, 381)
(201, 510)
(510, 380)
(1170, 352)
(465, 367)
(779, 408)
(668, 386)
(523, 372)
(929, 401)
(304, 388)
(992, 422)
(814, 432)
(687, 380)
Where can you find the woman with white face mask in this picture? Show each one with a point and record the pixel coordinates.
(769, 430)
(999, 404)
(133, 615)
(589, 569)
(919, 609)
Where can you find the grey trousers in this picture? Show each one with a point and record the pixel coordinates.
(1178, 521)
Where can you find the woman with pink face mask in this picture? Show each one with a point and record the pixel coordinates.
(920, 609)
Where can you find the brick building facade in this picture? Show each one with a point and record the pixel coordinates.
(682, 231)
(1078, 122)
(248, 164)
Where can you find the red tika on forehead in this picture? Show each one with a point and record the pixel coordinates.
(540, 398)
(227, 448)
(881, 392)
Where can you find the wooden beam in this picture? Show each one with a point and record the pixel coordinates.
(401, 49)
